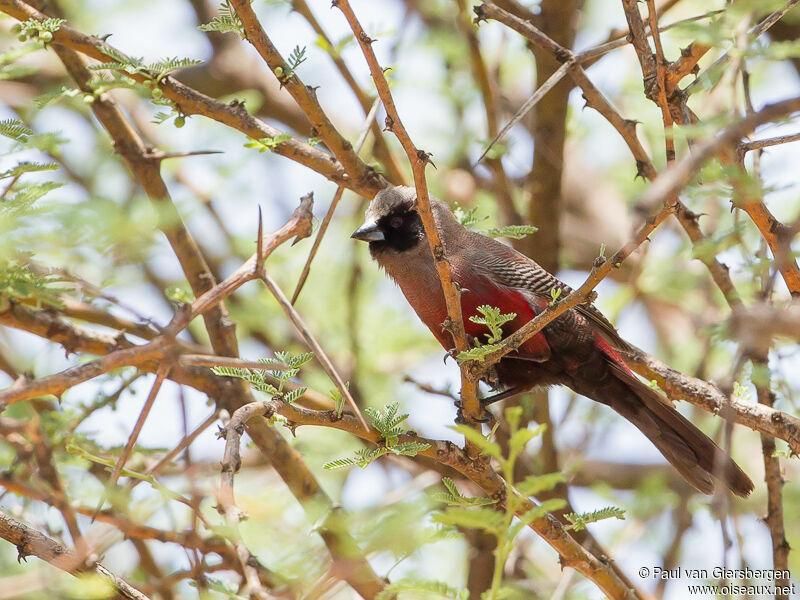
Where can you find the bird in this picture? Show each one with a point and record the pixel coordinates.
(580, 349)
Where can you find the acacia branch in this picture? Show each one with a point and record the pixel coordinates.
(305, 96)
(571, 553)
(679, 386)
(30, 542)
(381, 148)
(419, 159)
(191, 102)
(24, 389)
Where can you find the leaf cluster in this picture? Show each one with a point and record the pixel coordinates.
(491, 318)
(19, 282)
(226, 21)
(388, 422)
(261, 379)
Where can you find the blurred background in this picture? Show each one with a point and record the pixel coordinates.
(572, 176)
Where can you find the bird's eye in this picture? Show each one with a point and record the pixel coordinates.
(396, 222)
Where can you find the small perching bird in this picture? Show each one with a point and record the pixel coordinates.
(580, 349)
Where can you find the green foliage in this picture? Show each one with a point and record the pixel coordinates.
(56, 95)
(268, 143)
(226, 21)
(501, 522)
(454, 498)
(16, 130)
(468, 218)
(486, 519)
(422, 589)
(536, 484)
(477, 353)
(8, 67)
(27, 167)
(154, 71)
(261, 379)
(287, 71)
(388, 422)
(19, 282)
(338, 399)
(41, 30)
(73, 448)
(493, 320)
(555, 294)
(580, 521)
(179, 295)
(514, 232)
(486, 446)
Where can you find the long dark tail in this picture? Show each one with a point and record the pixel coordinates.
(687, 448)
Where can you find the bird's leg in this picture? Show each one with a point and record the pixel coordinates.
(453, 352)
(484, 417)
(502, 396)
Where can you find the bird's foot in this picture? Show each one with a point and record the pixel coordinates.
(484, 417)
(501, 396)
(453, 352)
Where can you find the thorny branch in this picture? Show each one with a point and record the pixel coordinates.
(30, 542)
(349, 171)
(419, 159)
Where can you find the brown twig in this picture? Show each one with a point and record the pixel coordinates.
(480, 472)
(30, 542)
(305, 96)
(381, 148)
(311, 340)
(231, 462)
(679, 386)
(24, 389)
(193, 102)
(774, 480)
(754, 32)
(337, 196)
(161, 374)
(419, 159)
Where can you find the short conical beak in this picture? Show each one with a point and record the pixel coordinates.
(369, 232)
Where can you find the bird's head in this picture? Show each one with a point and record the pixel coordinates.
(391, 223)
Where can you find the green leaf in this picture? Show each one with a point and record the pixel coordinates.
(387, 421)
(454, 497)
(18, 282)
(408, 448)
(580, 521)
(50, 97)
(28, 167)
(486, 446)
(267, 143)
(514, 232)
(16, 130)
(479, 517)
(535, 484)
(521, 437)
(479, 353)
(422, 589)
(494, 320)
(226, 21)
(468, 218)
(294, 395)
(362, 459)
(179, 295)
